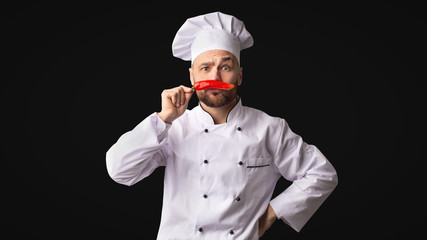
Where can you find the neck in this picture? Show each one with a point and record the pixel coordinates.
(219, 114)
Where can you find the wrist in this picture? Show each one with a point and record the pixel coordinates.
(271, 214)
(165, 117)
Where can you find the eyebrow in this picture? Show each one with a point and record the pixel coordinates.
(224, 59)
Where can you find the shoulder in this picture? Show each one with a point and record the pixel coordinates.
(187, 120)
(259, 117)
(263, 125)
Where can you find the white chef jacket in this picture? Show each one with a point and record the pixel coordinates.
(219, 179)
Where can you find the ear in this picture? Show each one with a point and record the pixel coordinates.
(190, 70)
(240, 77)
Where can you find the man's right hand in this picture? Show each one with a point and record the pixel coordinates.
(175, 102)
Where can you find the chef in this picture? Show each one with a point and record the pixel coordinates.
(222, 159)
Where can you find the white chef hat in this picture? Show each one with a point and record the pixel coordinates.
(210, 32)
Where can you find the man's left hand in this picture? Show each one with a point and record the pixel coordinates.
(266, 220)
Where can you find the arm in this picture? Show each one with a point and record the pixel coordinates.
(313, 176)
(138, 152)
(266, 220)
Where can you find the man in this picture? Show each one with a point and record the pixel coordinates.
(222, 159)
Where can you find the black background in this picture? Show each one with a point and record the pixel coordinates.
(349, 78)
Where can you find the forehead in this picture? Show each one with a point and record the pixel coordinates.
(214, 56)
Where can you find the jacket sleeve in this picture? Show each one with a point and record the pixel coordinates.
(138, 152)
(312, 175)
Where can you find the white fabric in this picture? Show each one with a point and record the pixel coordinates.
(232, 189)
(211, 31)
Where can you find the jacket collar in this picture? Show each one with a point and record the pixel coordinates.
(232, 116)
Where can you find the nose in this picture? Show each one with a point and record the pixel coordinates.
(215, 74)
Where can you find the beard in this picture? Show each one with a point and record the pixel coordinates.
(217, 98)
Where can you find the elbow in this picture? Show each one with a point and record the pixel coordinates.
(115, 176)
(111, 170)
(114, 171)
(332, 174)
(330, 177)
(333, 178)
(118, 178)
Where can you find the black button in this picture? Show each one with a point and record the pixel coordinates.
(240, 162)
(206, 130)
(205, 196)
(200, 229)
(231, 232)
(237, 198)
(205, 161)
(239, 129)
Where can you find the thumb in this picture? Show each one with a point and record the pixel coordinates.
(188, 89)
(188, 93)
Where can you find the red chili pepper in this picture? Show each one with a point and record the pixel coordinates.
(212, 84)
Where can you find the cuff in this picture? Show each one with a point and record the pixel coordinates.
(160, 126)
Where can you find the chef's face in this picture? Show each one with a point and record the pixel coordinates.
(218, 65)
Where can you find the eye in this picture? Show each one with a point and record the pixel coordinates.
(204, 69)
(225, 68)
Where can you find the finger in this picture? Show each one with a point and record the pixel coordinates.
(181, 96)
(188, 92)
(183, 90)
(188, 89)
(188, 96)
(173, 97)
(177, 97)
